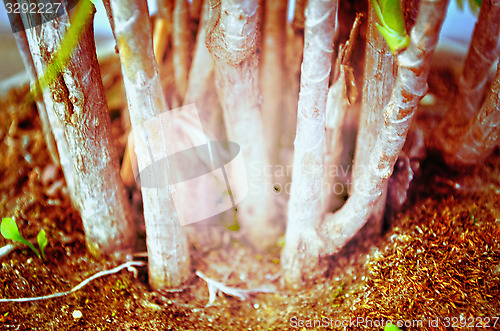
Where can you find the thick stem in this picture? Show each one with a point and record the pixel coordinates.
(302, 244)
(76, 97)
(22, 45)
(338, 101)
(181, 39)
(272, 75)
(409, 88)
(482, 133)
(201, 82)
(336, 109)
(195, 8)
(293, 59)
(232, 40)
(202, 67)
(482, 53)
(168, 257)
(380, 72)
(162, 28)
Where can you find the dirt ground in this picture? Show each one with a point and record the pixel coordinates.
(436, 267)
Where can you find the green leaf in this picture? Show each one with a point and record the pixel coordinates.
(396, 42)
(42, 242)
(391, 327)
(9, 230)
(474, 5)
(392, 24)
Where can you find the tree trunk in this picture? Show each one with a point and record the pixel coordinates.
(409, 87)
(168, 255)
(340, 96)
(201, 82)
(380, 71)
(22, 45)
(232, 39)
(181, 38)
(293, 60)
(76, 98)
(163, 28)
(480, 137)
(466, 103)
(301, 251)
(272, 75)
(202, 67)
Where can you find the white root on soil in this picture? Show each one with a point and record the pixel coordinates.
(302, 243)
(128, 265)
(76, 107)
(169, 259)
(243, 294)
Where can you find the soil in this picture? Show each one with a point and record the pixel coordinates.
(436, 267)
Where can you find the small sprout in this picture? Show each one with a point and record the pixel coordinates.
(235, 227)
(474, 5)
(391, 327)
(41, 238)
(392, 24)
(9, 230)
(281, 241)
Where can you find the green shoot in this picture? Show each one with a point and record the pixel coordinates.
(9, 230)
(474, 5)
(42, 242)
(392, 24)
(391, 327)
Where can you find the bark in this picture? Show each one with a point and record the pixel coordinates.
(168, 256)
(336, 109)
(409, 87)
(482, 134)
(181, 38)
(195, 8)
(232, 40)
(271, 74)
(202, 67)
(341, 95)
(380, 71)
(201, 83)
(481, 55)
(301, 251)
(162, 28)
(22, 45)
(293, 60)
(76, 98)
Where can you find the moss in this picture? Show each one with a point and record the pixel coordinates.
(440, 257)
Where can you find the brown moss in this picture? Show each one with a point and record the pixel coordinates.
(440, 257)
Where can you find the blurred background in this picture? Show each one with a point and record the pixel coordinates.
(457, 30)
